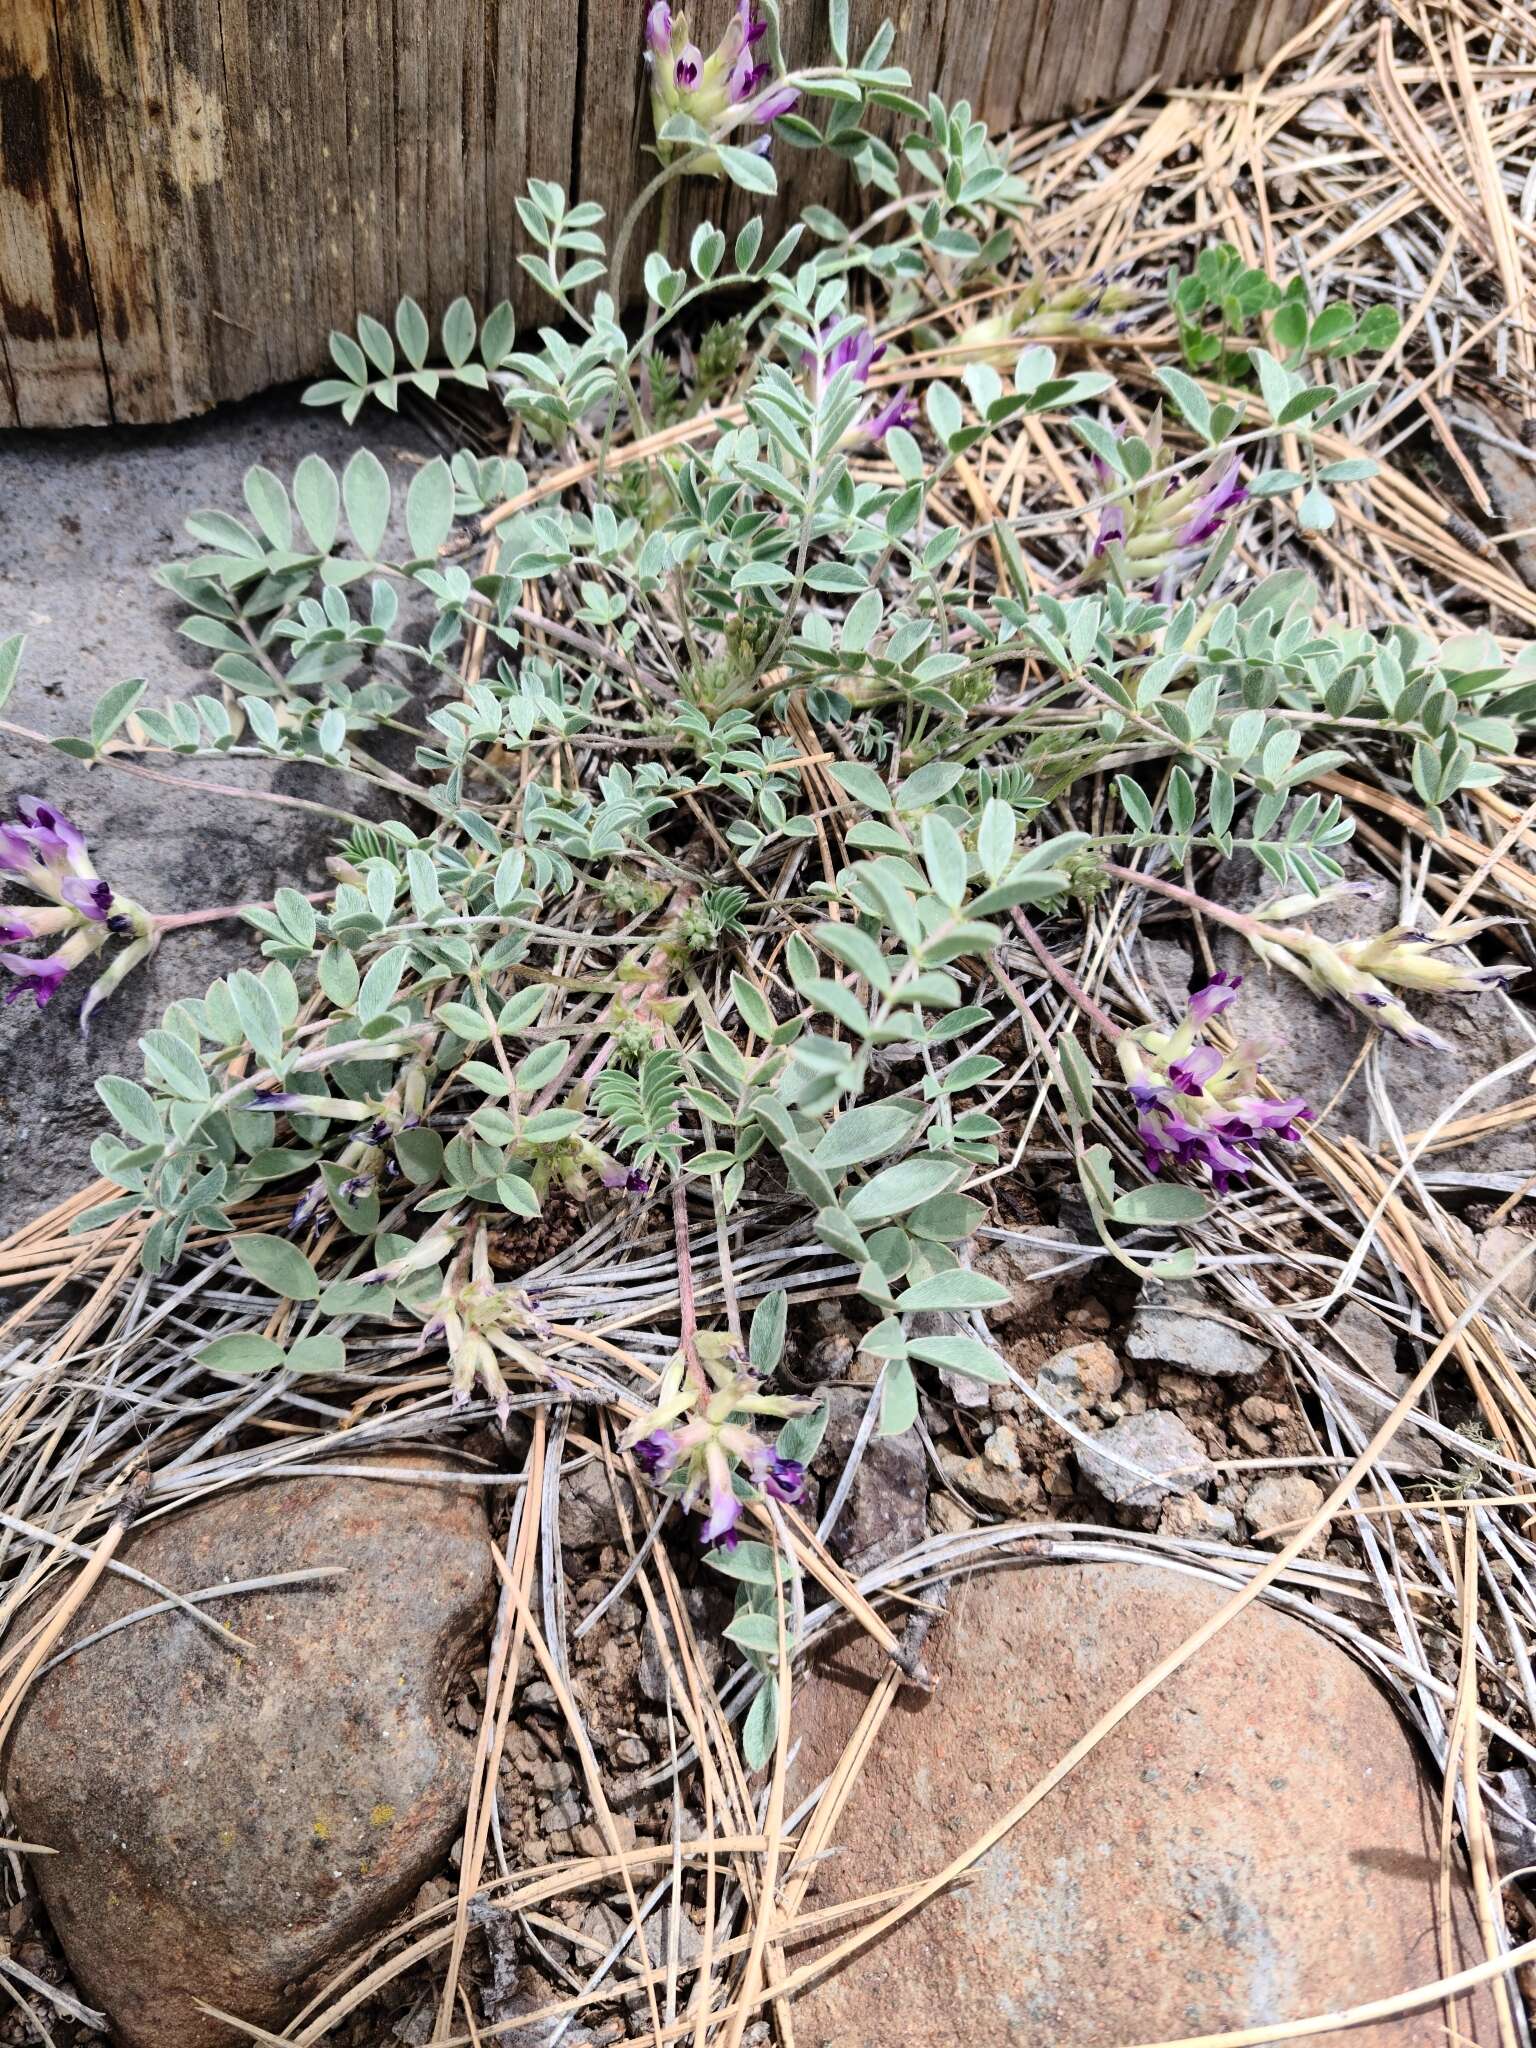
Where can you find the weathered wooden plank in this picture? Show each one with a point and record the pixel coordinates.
(48, 322)
(195, 192)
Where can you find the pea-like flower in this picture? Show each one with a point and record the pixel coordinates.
(857, 351)
(730, 87)
(1146, 527)
(1095, 308)
(367, 1159)
(1199, 1106)
(1363, 973)
(47, 855)
(478, 1320)
(699, 1437)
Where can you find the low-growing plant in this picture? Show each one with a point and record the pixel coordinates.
(744, 780)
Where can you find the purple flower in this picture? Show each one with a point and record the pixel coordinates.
(1217, 995)
(858, 351)
(45, 852)
(627, 1179)
(276, 1098)
(657, 1453)
(1209, 512)
(1111, 528)
(658, 26)
(42, 976)
(19, 922)
(1200, 1064)
(784, 1478)
(898, 411)
(1284, 1119)
(724, 1514)
(782, 101)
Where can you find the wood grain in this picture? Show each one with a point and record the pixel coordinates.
(195, 192)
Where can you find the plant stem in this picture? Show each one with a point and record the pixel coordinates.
(231, 789)
(687, 1313)
(1065, 981)
(179, 920)
(1250, 927)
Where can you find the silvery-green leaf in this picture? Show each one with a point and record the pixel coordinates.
(277, 1264)
(249, 1353)
(366, 494)
(765, 1343)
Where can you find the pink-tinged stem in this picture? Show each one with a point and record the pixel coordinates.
(1218, 912)
(687, 1311)
(1064, 980)
(178, 920)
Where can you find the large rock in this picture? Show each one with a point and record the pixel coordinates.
(103, 509)
(1316, 1043)
(1254, 1844)
(229, 1823)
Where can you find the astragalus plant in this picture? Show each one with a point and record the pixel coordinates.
(755, 791)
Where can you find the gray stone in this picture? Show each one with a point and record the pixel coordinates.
(1143, 1459)
(230, 1824)
(1316, 1043)
(1278, 1502)
(1169, 971)
(1025, 1270)
(1368, 1347)
(1186, 1514)
(995, 1481)
(1497, 1250)
(588, 1516)
(1490, 434)
(1195, 1341)
(102, 511)
(1369, 1344)
(964, 1389)
(1512, 1822)
(886, 1511)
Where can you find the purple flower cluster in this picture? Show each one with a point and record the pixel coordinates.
(47, 855)
(730, 85)
(1196, 1105)
(700, 1434)
(858, 351)
(706, 1453)
(1048, 309)
(1150, 526)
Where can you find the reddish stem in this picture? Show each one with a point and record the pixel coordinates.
(179, 920)
(1064, 980)
(1176, 890)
